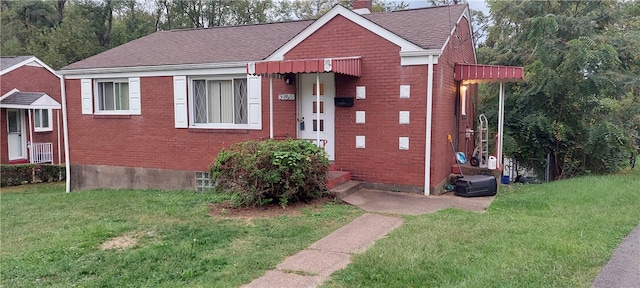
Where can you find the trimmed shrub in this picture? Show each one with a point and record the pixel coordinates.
(260, 172)
(50, 172)
(18, 174)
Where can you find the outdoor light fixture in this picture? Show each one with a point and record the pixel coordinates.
(463, 100)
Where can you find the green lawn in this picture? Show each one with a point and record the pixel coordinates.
(558, 234)
(53, 239)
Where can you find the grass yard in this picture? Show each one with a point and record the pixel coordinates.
(53, 239)
(558, 234)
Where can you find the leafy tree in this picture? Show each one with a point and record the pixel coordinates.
(580, 102)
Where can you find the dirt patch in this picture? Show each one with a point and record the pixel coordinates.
(225, 210)
(124, 241)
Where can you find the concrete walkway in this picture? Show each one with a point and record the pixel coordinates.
(312, 266)
(413, 204)
(623, 269)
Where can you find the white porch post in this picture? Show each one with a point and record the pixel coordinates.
(270, 106)
(30, 145)
(317, 109)
(58, 128)
(500, 124)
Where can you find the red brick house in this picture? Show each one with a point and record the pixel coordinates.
(155, 111)
(30, 107)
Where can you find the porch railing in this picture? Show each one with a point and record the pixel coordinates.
(41, 153)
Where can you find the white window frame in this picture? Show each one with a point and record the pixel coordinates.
(91, 97)
(191, 101)
(37, 125)
(97, 98)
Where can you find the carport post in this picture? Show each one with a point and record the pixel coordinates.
(500, 124)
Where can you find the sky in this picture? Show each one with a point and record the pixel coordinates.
(473, 4)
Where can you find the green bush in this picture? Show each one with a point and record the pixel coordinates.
(50, 172)
(260, 172)
(18, 174)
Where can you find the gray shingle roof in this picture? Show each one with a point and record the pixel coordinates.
(8, 61)
(428, 28)
(22, 98)
(210, 45)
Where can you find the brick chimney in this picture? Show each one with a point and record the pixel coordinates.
(362, 6)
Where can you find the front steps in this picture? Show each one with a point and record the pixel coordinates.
(340, 184)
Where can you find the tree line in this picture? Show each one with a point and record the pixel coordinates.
(61, 32)
(580, 104)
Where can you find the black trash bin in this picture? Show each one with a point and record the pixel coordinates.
(476, 186)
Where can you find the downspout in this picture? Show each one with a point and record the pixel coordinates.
(65, 129)
(427, 148)
(270, 106)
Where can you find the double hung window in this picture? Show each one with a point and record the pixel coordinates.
(113, 96)
(219, 102)
(42, 120)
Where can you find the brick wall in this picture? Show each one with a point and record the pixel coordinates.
(446, 103)
(32, 79)
(381, 161)
(151, 141)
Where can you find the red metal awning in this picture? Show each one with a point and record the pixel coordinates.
(477, 73)
(345, 65)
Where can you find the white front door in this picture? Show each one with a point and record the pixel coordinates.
(308, 124)
(16, 139)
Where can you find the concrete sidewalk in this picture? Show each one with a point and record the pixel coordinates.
(413, 204)
(623, 269)
(312, 266)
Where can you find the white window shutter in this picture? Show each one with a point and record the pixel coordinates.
(134, 96)
(254, 103)
(86, 86)
(180, 101)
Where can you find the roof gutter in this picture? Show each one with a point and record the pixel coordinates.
(153, 68)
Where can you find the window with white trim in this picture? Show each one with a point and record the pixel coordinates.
(112, 96)
(42, 119)
(219, 102)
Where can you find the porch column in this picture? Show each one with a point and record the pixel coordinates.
(317, 109)
(30, 145)
(500, 125)
(58, 128)
(270, 106)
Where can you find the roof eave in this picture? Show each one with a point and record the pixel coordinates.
(28, 60)
(155, 68)
(404, 44)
